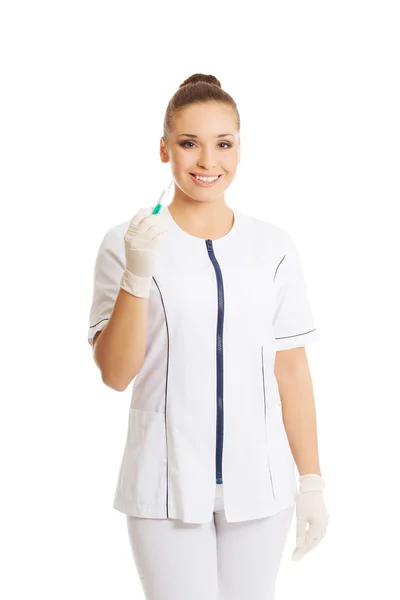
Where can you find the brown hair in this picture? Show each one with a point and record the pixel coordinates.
(196, 89)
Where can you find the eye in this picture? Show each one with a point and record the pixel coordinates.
(183, 144)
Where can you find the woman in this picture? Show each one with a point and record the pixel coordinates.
(208, 309)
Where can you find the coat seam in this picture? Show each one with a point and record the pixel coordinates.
(296, 335)
(166, 393)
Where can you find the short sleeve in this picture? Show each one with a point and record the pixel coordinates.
(108, 271)
(293, 320)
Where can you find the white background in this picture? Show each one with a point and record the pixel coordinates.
(85, 86)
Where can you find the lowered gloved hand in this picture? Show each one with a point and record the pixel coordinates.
(310, 508)
(142, 239)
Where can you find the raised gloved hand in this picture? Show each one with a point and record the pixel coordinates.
(141, 241)
(310, 508)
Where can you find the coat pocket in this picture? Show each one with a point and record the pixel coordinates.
(281, 462)
(265, 422)
(280, 459)
(143, 470)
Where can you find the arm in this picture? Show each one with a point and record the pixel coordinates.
(120, 349)
(119, 311)
(298, 408)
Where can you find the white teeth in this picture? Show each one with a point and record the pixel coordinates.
(206, 179)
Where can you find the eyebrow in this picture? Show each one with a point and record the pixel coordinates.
(196, 136)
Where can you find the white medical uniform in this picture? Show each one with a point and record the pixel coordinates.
(205, 406)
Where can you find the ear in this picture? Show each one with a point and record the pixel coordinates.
(163, 151)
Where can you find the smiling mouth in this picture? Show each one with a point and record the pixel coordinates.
(206, 176)
(210, 180)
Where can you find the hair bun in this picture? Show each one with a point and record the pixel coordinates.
(201, 77)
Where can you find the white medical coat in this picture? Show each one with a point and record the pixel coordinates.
(205, 406)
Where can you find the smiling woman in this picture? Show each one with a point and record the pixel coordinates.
(198, 299)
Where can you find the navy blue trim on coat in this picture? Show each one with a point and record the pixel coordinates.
(220, 363)
(166, 388)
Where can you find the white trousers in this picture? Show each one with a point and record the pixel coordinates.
(209, 561)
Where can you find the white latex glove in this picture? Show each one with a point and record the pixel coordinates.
(310, 508)
(141, 241)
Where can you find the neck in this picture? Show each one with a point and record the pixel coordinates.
(206, 219)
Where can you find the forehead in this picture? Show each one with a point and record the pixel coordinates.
(205, 119)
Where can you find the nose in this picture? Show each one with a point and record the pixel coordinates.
(206, 160)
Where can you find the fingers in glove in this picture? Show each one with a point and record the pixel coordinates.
(315, 531)
(298, 553)
(314, 535)
(301, 531)
(150, 221)
(141, 214)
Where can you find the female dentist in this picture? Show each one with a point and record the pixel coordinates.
(207, 309)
